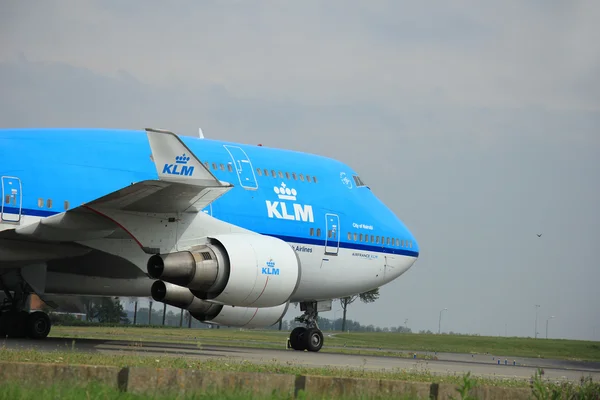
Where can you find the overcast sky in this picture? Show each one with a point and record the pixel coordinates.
(478, 125)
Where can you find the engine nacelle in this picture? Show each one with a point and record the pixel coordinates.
(208, 312)
(245, 270)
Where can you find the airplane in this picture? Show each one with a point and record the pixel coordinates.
(233, 233)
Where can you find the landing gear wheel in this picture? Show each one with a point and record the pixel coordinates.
(38, 325)
(2, 329)
(313, 339)
(297, 338)
(15, 323)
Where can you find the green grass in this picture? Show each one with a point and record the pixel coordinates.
(66, 391)
(387, 344)
(514, 347)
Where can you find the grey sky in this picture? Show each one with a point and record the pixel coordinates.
(478, 125)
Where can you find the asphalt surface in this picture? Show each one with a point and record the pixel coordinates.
(446, 363)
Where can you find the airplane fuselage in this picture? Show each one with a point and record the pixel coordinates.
(346, 239)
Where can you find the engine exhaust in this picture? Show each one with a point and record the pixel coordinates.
(181, 297)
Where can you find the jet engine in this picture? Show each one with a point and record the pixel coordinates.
(245, 270)
(212, 313)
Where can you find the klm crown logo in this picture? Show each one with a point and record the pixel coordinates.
(179, 167)
(285, 193)
(182, 159)
(282, 210)
(270, 268)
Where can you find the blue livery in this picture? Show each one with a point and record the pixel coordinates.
(298, 197)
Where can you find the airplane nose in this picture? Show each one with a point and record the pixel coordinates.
(410, 244)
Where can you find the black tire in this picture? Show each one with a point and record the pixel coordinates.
(15, 323)
(38, 325)
(297, 338)
(313, 339)
(2, 330)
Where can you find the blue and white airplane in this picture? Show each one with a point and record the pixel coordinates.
(233, 233)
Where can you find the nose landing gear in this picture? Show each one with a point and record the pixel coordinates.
(309, 338)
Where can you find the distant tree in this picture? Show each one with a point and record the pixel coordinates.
(110, 310)
(90, 306)
(366, 297)
(402, 329)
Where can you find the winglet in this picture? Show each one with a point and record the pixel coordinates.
(175, 162)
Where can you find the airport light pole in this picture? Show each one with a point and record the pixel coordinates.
(547, 325)
(440, 321)
(537, 306)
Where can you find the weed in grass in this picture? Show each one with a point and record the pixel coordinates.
(585, 390)
(465, 387)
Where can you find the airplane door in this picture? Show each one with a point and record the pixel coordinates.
(243, 167)
(11, 199)
(332, 240)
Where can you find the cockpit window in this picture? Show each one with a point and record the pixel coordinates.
(358, 181)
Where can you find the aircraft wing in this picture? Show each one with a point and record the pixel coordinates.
(184, 184)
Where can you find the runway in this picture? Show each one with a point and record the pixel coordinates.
(447, 363)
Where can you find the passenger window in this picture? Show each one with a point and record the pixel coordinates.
(222, 167)
(382, 240)
(281, 174)
(372, 239)
(376, 239)
(287, 175)
(49, 203)
(7, 200)
(266, 172)
(367, 238)
(315, 179)
(259, 171)
(40, 203)
(360, 238)
(229, 167)
(349, 236)
(312, 231)
(410, 244)
(206, 165)
(318, 231)
(355, 237)
(294, 175)
(307, 178)
(273, 174)
(214, 166)
(397, 243)
(302, 177)
(66, 204)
